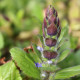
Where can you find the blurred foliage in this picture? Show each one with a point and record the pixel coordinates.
(1, 41)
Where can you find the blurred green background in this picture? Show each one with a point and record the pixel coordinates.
(21, 23)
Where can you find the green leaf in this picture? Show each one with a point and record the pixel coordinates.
(68, 72)
(64, 54)
(25, 63)
(35, 57)
(64, 32)
(1, 41)
(41, 38)
(64, 48)
(9, 71)
(64, 45)
(49, 68)
(36, 50)
(72, 60)
(73, 41)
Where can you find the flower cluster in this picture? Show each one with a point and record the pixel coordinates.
(51, 31)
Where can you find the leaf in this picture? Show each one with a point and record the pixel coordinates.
(64, 32)
(64, 54)
(49, 68)
(1, 41)
(68, 72)
(41, 39)
(25, 63)
(73, 41)
(72, 60)
(35, 57)
(36, 50)
(64, 49)
(64, 45)
(9, 71)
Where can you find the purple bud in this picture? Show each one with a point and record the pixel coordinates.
(50, 42)
(52, 30)
(50, 12)
(50, 54)
(45, 23)
(52, 19)
(51, 22)
(43, 31)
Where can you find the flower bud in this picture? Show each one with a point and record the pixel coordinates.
(43, 30)
(52, 30)
(50, 42)
(50, 11)
(50, 54)
(52, 19)
(45, 23)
